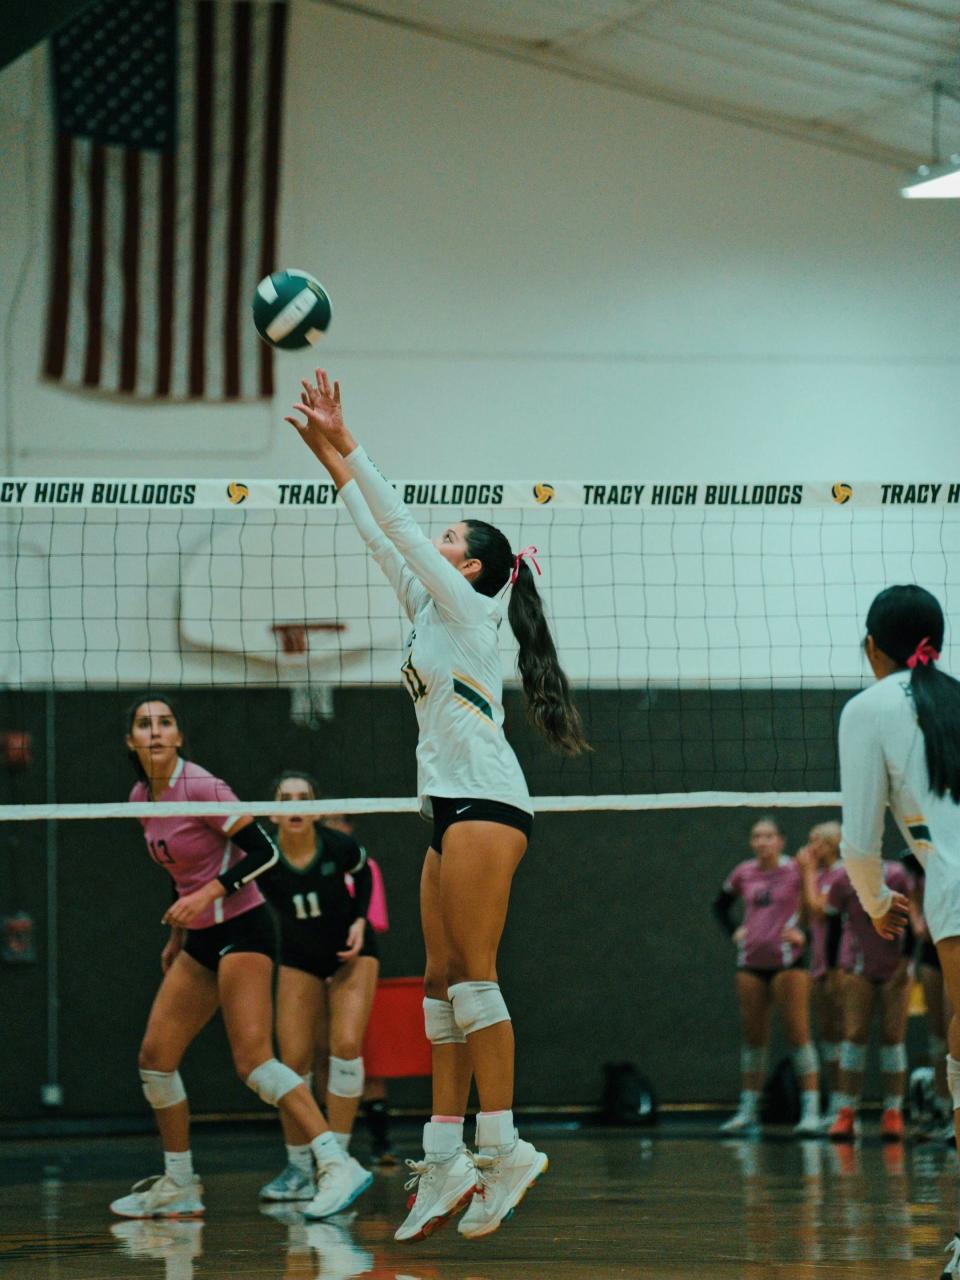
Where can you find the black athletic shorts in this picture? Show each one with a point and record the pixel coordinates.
(320, 960)
(446, 812)
(768, 975)
(251, 931)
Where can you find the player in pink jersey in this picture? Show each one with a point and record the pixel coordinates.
(875, 968)
(819, 862)
(770, 969)
(219, 956)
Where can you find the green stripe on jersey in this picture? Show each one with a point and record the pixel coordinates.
(470, 695)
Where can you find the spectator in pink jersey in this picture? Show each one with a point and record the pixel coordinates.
(770, 969)
(875, 967)
(819, 863)
(220, 955)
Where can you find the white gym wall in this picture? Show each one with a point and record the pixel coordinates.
(533, 274)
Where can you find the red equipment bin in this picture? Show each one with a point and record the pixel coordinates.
(395, 1044)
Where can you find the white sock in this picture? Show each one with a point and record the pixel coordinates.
(178, 1165)
(893, 1102)
(301, 1158)
(326, 1149)
(344, 1140)
(495, 1129)
(749, 1098)
(442, 1139)
(810, 1106)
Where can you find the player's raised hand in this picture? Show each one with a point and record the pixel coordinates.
(321, 407)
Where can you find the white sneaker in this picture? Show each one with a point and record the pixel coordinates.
(810, 1126)
(339, 1182)
(743, 1125)
(505, 1178)
(291, 1184)
(161, 1197)
(444, 1187)
(951, 1268)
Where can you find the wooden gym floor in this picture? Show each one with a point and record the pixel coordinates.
(671, 1204)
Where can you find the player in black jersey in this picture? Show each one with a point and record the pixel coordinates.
(328, 956)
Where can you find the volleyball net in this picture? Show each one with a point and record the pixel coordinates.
(711, 631)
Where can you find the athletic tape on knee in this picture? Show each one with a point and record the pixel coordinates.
(345, 1078)
(853, 1057)
(477, 1005)
(805, 1060)
(273, 1081)
(753, 1059)
(830, 1051)
(439, 1023)
(162, 1088)
(893, 1058)
(953, 1080)
(937, 1049)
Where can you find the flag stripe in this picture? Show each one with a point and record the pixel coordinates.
(60, 273)
(94, 295)
(166, 269)
(238, 182)
(131, 269)
(271, 169)
(203, 157)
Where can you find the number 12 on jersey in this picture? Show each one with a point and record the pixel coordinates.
(306, 905)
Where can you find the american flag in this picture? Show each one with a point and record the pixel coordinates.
(167, 166)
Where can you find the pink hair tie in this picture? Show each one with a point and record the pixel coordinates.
(528, 553)
(924, 653)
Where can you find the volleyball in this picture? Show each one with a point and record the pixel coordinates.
(291, 310)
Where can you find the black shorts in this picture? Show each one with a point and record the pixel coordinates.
(319, 959)
(251, 931)
(446, 812)
(768, 975)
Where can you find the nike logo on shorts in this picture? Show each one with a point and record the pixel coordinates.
(464, 809)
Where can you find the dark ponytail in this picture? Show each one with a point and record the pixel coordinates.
(898, 620)
(546, 688)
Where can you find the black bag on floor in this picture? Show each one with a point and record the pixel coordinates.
(628, 1097)
(780, 1103)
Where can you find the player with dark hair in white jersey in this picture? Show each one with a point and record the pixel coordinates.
(219, 956)
(472, 788)
(900, 746)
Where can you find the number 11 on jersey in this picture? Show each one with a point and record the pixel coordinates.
(308, 910)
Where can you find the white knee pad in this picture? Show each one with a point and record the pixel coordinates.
(162, 1088)
(273, 1081)
(439, 1023)
(753, 1059)
(853, 1057)
(805, 1060)
(345, 1078)
(953, 1080)
(893, 1058)
(308, 1080)
(830, 1051)
(477, 1005)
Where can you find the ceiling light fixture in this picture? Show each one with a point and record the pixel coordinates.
(937, 180)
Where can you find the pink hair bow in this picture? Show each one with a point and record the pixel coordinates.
(528, 553)
(924, 653)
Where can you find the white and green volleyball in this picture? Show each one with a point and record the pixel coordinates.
(291, 310)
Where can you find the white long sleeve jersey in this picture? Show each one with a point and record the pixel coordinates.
(452, 666)
(883, 762)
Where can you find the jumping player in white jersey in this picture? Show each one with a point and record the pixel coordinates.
(900, 746)
(220, 955)
(472, 788)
